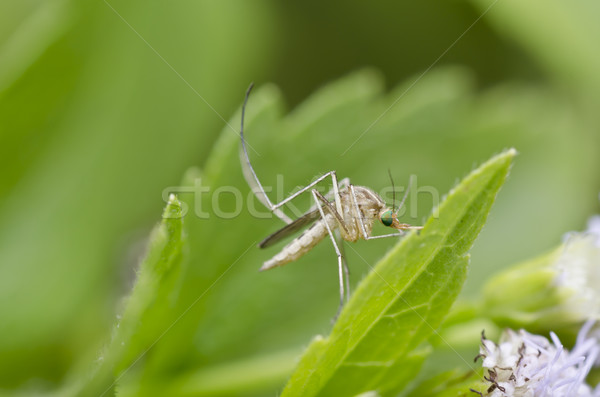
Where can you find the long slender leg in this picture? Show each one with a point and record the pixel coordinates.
(260, 193)
(257, 187)
(329, 195)
(332, 210)
(337, 252)
(336, 192)
(338, 235)
(346, 271)
(344, 183)
(357, 213)
(340, 241)
(250, 174)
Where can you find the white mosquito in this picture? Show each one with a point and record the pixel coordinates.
(351, 216)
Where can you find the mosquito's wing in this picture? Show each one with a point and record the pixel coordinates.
(291, 228)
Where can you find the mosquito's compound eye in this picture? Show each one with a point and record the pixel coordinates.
(387, 218)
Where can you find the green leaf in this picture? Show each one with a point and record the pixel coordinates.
(403, 300)
(164, 256)
(234, 378)
(450, 384)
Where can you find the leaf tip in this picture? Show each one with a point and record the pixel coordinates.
(173, 210)
(507, 154)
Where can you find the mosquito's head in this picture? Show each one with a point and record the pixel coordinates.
(389, 218)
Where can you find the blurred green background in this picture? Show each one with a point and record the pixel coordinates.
(103, 104)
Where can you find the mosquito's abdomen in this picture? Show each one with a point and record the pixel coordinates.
(301, 244)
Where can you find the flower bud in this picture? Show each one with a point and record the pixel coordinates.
(557, 290)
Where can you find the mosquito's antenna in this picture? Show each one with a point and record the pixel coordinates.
(406, 193)
(393, 191)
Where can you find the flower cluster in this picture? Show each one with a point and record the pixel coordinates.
(557, 290)
(527, 365)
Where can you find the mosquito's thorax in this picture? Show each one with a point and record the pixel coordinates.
(370, 206)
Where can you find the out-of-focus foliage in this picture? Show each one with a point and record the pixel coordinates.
(94, 126)
(103, 104)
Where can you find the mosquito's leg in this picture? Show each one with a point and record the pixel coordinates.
(258, 189)
(345, 263)
(336, 192)
(358, 214)
(386, 235)
(329, 195)
(337, 252)
(340, 241)
(346, 273)
(260, 193)
(249, 173)
(340, 220)
(341, 185)
(332, 210)
(400, 233)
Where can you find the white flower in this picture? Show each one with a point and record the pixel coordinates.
(578, 267)
(527, 365)
(594, 228)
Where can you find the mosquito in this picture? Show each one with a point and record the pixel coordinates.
(351, 215)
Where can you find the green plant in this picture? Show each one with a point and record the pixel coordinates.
(201, 321)
(378, 342)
